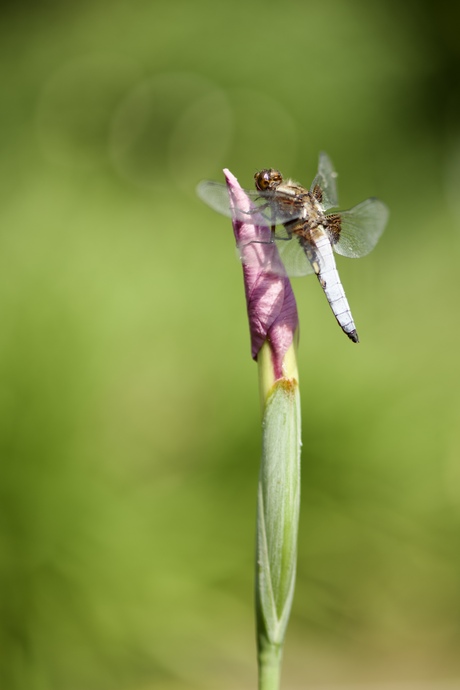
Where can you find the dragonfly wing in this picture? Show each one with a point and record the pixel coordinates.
(265, 254)
(215, 195)
(265, 209)
(326, 181)
(261, 257)
(361, 227)
(293, 257)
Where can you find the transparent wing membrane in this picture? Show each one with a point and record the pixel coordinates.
(361, 228)
(266, 209)
(294, 262)
(293, 257)
(326, 180)
(215, 194)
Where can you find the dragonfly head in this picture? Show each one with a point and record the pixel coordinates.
(268, 180)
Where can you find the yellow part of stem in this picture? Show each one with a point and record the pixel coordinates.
(267, 378)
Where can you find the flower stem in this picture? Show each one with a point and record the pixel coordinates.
(269, 665)
(277, 513)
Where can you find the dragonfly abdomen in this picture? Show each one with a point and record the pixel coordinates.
(328, 276)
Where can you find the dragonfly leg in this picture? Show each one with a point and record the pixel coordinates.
(259, 211)
(246, 244)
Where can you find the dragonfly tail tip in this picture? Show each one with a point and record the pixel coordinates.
(353, 335)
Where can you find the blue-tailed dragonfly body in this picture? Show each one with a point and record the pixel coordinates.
(307, 233)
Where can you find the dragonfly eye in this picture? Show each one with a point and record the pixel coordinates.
(268, 180)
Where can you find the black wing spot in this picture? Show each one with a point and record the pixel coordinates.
(334, 225)
(318, 193)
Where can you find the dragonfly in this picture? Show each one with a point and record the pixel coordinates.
(305, 230)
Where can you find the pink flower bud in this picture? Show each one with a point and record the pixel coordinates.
(271, 305)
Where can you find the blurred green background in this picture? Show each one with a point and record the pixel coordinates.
(129, 423)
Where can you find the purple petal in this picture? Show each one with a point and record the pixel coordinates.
(272, 310)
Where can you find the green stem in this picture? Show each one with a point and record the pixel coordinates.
(277, 515)
(269, 665)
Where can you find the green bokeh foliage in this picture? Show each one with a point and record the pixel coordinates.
(129, 425)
